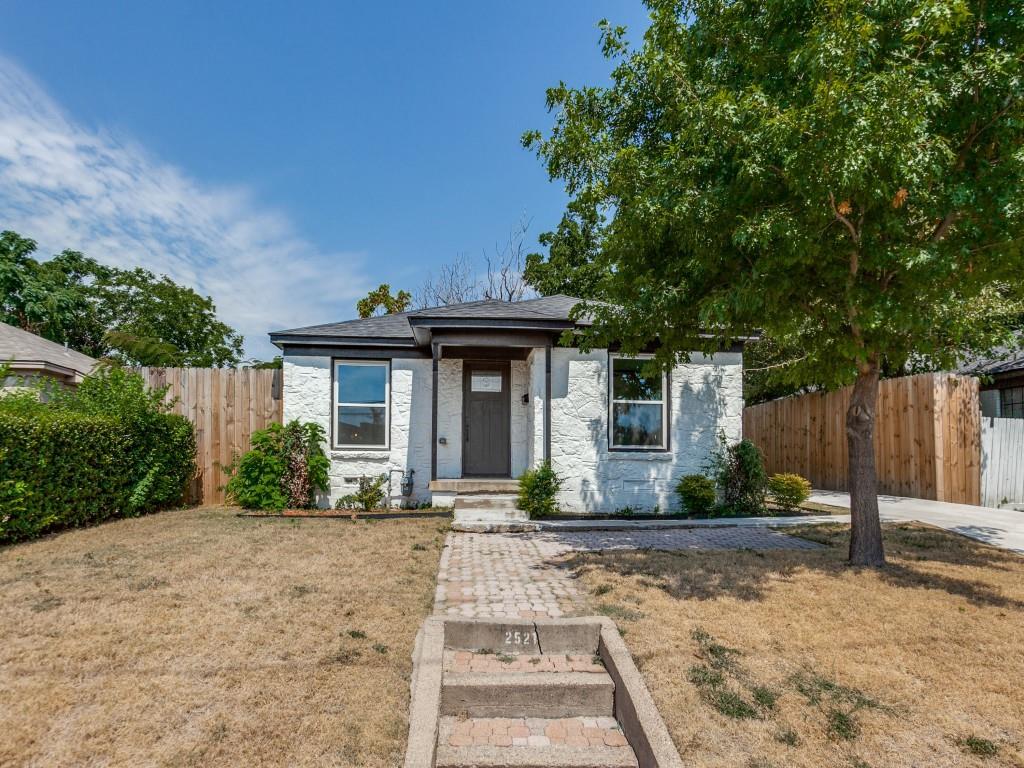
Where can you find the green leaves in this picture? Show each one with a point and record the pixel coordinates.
(130, 315)
(284, 467)
(107, 449)
(369, 494)
(538, 491)
(845, 176)
(380, 299)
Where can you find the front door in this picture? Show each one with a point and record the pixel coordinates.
(486, 419)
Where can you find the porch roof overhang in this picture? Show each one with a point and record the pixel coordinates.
(490, 333)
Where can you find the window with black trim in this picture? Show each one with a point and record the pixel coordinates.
(361, 403)
(1011, 403)
(637, 405)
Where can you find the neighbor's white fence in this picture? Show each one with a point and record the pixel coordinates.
(1002, 461)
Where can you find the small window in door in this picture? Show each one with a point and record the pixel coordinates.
(485, 381)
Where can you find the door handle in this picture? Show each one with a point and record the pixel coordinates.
(466, 428)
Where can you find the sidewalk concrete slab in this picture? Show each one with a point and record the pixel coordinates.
(1002, 528)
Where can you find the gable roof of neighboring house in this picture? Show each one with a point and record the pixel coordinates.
(548, 312)
(1001, 360)
(29, 353)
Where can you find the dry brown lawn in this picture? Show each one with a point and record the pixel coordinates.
(906, 666)
(196, 637)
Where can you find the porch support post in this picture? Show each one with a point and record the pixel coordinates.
(435, 353)
(547, 403)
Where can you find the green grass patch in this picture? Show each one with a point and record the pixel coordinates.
(731, 704)
(842, 725)
(839, 702)
(764, 696)
(976, 745)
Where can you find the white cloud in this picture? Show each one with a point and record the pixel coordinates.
(69, 187)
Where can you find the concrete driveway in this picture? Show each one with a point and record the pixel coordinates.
(999, 527)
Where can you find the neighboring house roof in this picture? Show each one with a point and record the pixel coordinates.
(1001, 360)
(548, 311)
(28, 352)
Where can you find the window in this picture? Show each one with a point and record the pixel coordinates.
(361, 390)
(1011, 403)
(637, 404)
(485, 381)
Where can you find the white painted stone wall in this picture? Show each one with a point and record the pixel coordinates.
(706, 397)
(520, 410)
(535, 411)
(449, 418)
(308, 397)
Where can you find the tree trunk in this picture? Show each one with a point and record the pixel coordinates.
(866, 530)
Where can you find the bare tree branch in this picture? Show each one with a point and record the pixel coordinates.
(455, 283)
(505, 270)
(458, 282)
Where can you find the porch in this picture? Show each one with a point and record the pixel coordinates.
(490, 410)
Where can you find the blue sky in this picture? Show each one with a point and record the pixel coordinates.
(285, 158)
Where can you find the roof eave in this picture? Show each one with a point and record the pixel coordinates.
(279, 340)
(44, 366)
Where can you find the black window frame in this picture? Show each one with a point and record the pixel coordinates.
(1015, 401)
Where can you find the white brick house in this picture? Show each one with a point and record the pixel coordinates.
(467, 397)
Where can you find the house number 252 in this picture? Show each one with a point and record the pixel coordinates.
(520, 638)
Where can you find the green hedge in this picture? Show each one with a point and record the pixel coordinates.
(67, 463)
(63, 470)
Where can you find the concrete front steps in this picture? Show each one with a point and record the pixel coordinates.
(559, 693)
(483, 506)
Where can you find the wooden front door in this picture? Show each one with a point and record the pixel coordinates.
(486, 419)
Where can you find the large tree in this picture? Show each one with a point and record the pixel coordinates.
(571, 265)
(130, 315)
(845, 173)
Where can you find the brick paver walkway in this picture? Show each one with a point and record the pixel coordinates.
(511, 575)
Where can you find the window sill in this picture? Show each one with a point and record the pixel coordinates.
(654, 454)
(377, 454)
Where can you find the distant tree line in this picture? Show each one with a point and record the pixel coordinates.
(128, 315)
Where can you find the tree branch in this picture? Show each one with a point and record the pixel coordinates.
(775, 365)
(846, 222)
(943, 226)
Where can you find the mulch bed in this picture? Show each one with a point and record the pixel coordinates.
(347, 514)
(807, 509)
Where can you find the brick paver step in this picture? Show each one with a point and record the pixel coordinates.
(517, 694)
(577, 742)
(524, 663)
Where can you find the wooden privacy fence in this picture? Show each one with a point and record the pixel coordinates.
(226, 405)
(927, 437)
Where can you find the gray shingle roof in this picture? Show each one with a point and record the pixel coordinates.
(999, 360)
(386, 326)
(23, 347)
(397, 326)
